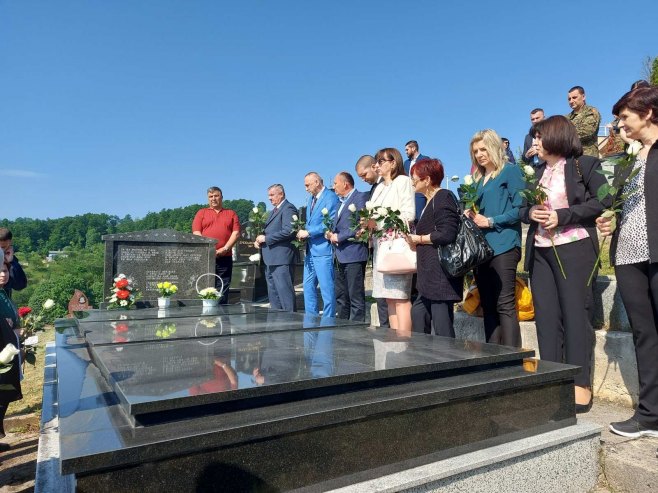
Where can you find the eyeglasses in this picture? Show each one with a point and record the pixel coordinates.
(415, 180)
(382, 161)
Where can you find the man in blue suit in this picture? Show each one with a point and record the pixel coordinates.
(351, 256)
(278, 251)
(318, 263)
(414, 155)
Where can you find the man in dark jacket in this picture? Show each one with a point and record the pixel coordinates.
(529, 150)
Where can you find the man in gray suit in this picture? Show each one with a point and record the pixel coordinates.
(278, 251)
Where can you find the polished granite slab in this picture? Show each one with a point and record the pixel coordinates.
(211, 323)
(192, 308)
(201, 399)
(155, 377)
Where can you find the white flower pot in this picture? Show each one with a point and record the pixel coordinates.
(209, 303)
(164, 302)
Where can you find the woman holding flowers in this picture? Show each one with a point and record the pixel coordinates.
(395, 192)
(495, 210)
(438, 225)
(10, 385)
(562, 247)
(634, 249)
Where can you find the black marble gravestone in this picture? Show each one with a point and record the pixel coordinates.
(160, 255)
(251, 399)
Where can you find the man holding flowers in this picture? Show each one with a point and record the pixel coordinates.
(351, 256)
(318, 263)
(223, 225)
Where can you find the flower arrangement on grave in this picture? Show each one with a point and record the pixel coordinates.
(164, 330)
(7, 354)
(468, 194)
(166, 289)
(31, 323)
(619, 177)
(124, 294)
(257, 219)
(297, 226)
(535, 194)
(209, 294)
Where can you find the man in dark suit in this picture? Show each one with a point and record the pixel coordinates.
(351, 256)
(414, 155)
(278, 251)
(364, 169)
(318, 262)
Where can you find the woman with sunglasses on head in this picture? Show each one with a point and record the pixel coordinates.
(393, 191)
(499, 184)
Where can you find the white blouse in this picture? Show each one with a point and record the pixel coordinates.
(399, 194)
(633, 242)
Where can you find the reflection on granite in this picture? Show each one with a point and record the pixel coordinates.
(180, 401)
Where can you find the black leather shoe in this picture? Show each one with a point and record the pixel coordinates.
(4, 447)
(584, 408)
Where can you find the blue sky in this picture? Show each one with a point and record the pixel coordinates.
(127, 107)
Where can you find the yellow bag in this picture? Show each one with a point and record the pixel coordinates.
(524, 306)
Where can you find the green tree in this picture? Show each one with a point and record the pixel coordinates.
(654, 72)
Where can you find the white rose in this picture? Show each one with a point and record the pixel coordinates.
(255, 210)
(352, 208)
(529, 170)
(123, 302)
(8, 354)
(468, 180)
(294, 217)
(255, 257)
(382, 211)
(48, 304)
(634, 148)
(325, 211)
(370, 206)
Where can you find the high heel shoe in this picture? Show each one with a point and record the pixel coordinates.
(584, 408)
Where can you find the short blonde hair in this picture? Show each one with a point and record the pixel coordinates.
(494, 146)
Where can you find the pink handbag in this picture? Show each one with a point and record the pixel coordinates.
(394, 256)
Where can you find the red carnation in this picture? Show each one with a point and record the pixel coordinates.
(24, 310)
(121, 328)
(122, 283)
(123, 294)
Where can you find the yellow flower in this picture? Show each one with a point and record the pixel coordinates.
(166, 284)
(159, 285)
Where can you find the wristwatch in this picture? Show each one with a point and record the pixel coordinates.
(490, 220)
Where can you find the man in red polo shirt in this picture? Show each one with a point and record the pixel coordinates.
(223, 225)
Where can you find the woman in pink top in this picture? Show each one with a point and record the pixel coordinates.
(567, 220)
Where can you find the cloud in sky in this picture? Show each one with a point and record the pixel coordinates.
(21, 173)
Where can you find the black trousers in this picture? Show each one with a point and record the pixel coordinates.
(3, 411)
(638, 286)
(429, 314)
(496, 282)
(382, 313)
(349, 286)
(224, 269)
(563, 306)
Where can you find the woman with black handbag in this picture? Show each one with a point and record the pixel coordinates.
(438, 225)
(562, 247)
(498, 202)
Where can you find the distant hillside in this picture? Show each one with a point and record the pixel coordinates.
(42, 235)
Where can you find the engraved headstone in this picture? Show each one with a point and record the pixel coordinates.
(78, 303)
(158, 255)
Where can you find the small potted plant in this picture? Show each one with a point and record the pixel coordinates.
(166, 290)
(210, 296)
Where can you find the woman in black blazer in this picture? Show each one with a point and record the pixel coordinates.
(634, 253)
(567, 220)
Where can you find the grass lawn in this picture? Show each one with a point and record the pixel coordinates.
(32, 384)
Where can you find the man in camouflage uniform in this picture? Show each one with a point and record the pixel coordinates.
(586, 120)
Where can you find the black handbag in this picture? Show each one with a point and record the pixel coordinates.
(469, 249)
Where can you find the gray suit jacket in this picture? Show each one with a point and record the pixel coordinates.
(278, 249)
